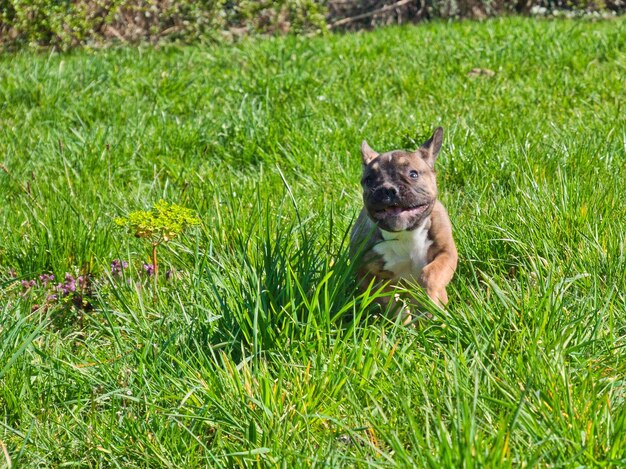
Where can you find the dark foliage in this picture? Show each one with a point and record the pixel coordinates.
(71, 23)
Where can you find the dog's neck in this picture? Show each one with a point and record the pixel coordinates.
(406, 235)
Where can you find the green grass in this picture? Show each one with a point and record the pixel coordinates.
(247, 356)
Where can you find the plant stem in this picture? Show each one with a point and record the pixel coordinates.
(155, 270)
(155, 266)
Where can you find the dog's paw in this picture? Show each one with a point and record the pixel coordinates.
(438, 296)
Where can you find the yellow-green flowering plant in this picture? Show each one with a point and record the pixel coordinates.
(159, 225)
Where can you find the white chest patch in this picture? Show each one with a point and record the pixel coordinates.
(405, 252)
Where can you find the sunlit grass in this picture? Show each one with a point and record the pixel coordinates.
(257, 349)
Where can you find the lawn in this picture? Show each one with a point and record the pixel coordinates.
(253, 347)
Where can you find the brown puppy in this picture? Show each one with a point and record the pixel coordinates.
(403, 232)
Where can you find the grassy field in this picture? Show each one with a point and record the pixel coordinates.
(245, 354)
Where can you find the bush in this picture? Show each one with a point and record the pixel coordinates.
(69, 23)
(270, 16)
(66, 24)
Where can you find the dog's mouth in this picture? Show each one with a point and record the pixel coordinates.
(396, 210)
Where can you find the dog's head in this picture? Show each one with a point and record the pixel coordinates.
(399, 187)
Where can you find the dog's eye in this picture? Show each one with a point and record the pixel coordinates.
(368, 180)
(414, 174)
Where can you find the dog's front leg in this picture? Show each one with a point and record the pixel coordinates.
(437, 274)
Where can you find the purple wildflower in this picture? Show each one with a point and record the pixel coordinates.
(149, 268)
(117, 267)
(46, 279)
(52, 297)
(82, 282)
(26, 284)
(70, 282)
(68, 286)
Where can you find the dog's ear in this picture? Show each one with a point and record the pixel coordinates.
(367, 153)
(430, 149)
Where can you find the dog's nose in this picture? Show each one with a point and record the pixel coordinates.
(386, 193)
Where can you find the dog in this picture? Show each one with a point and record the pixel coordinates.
(403, 233)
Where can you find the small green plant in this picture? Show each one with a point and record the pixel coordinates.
(159, 225)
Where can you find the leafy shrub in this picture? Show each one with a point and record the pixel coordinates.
(269, 16)
(66, 24)
(69, 23)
